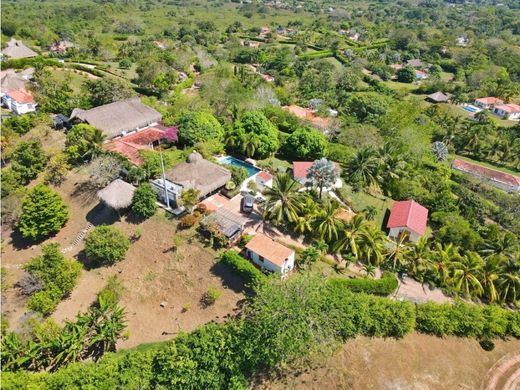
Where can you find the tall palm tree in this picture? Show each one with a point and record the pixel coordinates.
(283, 202)
(370, 212)
(418, 258)
(505, 244)
(400, 251)
(249, 144)
(491, 272)
(327, 223)
(349, 235)
(440, 261)
(465, 274)
(363, 168)
(509, 280)
(371, 245)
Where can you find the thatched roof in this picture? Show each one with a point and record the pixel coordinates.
(118, 117)
(438, 97)
(10, 79)
(200, 174)
(17, 49)
(117, 194)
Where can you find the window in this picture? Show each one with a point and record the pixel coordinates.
(261, 258)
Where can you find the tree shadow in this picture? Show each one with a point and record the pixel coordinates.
(19, 242)
(228, 278)
(101, 214)
(87, 264)
(85, 192)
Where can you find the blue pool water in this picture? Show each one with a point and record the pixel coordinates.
(228, 160)
(471, 108)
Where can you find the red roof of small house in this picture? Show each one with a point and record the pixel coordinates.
(130, 145)
(308, 114)
(396, 66)
(21, 95)
(265, 176)
(269, 249)
(479, 170)
(489, 100)
(408, 214)
(421, 73)
(300, 168)
(510, 108)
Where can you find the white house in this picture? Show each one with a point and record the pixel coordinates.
(487, 102)
(269, 254)
(408, 216)
(19, 101)
(264, 179)
(507, 111)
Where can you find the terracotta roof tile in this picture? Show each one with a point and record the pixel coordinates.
(479, 170)
(21, 95)
(489, 100)
(269, 249)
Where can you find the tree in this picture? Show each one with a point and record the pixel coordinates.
(28, 159)
(323, 173)
(57, 169)
(400, 252)
(83, 142)
(283, 200)
(362, 170)
(190, 197)
(199, 126)
(370, 212)
(106, 245)
(306, 144)
(440, 151)
(254, 125)
(406, 74)
(43, 213)
(144, 201)
(465, 274)
(371, 245)
(350, 235)
(107, 90)
(367, 106)
(326, 221)
(104, 169)
(308, 257)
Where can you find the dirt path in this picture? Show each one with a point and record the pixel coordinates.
(504, 375)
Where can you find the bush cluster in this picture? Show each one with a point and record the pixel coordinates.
(384, 286)
(187, 221)
(243, 267)
(106, 245)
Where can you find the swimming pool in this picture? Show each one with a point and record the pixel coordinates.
(229, 160)
(471, 108)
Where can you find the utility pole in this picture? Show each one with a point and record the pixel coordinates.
(166, 198)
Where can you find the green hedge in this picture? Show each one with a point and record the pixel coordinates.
(252, 276)
(384, 286)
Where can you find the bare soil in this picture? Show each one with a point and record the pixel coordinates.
(152, 273)
(416, 362)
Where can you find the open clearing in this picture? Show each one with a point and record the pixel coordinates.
(415, 362)
(151, 274)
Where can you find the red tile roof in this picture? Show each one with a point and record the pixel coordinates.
(408, 214)
(510, 108)
(21, 95)
(300, 168)
(489, 100)
(130, 145)
(308, 114)
(269, 249)
(479, 170)
(265, 176)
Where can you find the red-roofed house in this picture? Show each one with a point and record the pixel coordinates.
(409, 216)
(499, 179)
(420, 75)
(308, 114)
(131, 145)
(487, 102)
(264, 179)
(19, 101)
(507, 111)
(269, 254)
(300, 169)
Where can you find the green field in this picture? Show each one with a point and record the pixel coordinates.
(360, 200)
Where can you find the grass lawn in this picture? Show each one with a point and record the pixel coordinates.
(361, 199)
(486, 164)
(404, 88)
(76, 78)
(275, 164)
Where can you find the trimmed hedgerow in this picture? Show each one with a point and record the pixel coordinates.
(384, 286)
(252, 276)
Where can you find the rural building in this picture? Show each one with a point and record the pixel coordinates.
(408, 216)
(196, 172)
(487, 102)
(16, 49)
(308, 114)
(11, 79)
(19, 101)
(499, 179)
(264, 179)
(415, 63)
(117, 195)
(61, 46)
(507, 111)
(269, 254)
(437, 97)
(118, 118)
(228, 223)
(300, 169)
(132, 144)
(420, 75)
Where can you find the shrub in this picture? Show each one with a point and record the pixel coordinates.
(211, 296)
(43, 213)
(244, 240)
(199, 126)
(111, 293)
(144, 201)
(28, 159)
(187, 221)
(243, 267)
(514, 324)
(238, 174)
(106, 245)
(384, 286)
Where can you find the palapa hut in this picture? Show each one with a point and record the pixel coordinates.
(117, 194)
(197, 173)
(437, 97)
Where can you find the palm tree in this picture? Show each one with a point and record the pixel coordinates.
(418, 258)
(283, 202)
(509, 280)
(440, 261)
(371, 245)
(399, 254)
(234, 138)
(327, 223)
(349, 235)
(370, 270)
(108, 327)
(505, 244)
(302, 225)
(249, 144)
(370, 212)
(491, 272)
(465, 274)
(363, 168)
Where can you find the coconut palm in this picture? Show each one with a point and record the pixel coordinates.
(369, 270)
(370, 212)
(418, 259)
(283, 202)
(302, 225)
(440, 260)
(400, 251)
(505, 244)
(371, 245)
(465, 274)
(491, 272)
(349, 235)
(440, 151)
(249, 144)
(327, 223)
(363, 168)
(508, 283)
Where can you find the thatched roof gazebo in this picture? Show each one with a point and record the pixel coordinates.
(117, 194)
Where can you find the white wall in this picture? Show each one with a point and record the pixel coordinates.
(412, 236)
(266, 264)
